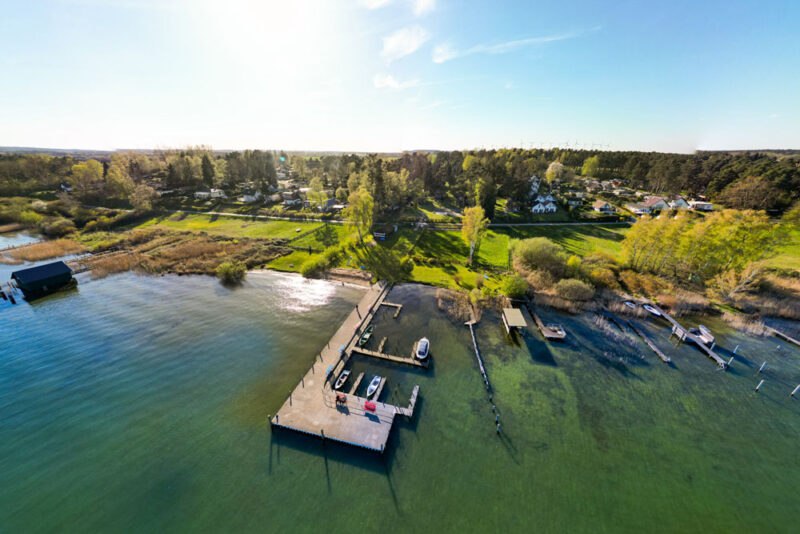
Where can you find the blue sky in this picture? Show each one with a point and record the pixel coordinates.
(384, 75)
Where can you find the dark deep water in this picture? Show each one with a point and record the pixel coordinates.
(139, 404)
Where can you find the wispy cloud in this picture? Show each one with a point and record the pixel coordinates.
(387, 81)
(446, 52)
(421, 7)
(403, 42)
(374, 4)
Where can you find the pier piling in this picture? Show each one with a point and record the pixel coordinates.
(759, 385)
(795, 390)
(763, 365)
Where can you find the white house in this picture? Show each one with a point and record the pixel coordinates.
(656, 203)
(250, 198)
(603, 207)
(544, 207)
(207, 195)
(678, 203)
(535, 182)
(638, 209)
(700, 205)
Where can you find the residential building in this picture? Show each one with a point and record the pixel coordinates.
(250, 197)
(701, 205)
(544, 207)
(655, 203)
(603, 207)
(209, 195)
(638, 209)
(678, 203)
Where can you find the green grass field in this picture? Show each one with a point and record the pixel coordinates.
(232, 226)
(575, 239)
(788, 257)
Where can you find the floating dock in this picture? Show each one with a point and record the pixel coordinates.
(312, 407)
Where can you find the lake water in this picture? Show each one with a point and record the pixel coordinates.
(139, 404)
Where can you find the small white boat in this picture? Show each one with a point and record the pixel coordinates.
(342, 379)
(651, 310)
(373, 386)
(423, 347)
(707, 336)
(630, 304)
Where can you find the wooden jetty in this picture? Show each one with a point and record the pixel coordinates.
(391, 357)
(381, 385)
(650, 343)
(781, 335)
(547, 331)
(478, 357)
(684, 334)
(382, 344)
(312, 407)
(412, 403)
(393, 305)
(357, 383)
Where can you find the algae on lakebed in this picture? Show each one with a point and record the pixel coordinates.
(141, 404)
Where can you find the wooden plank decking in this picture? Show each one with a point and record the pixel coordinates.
(311, 407)
(408, 360)
(783, 336)
(664, 358)
(684, 333)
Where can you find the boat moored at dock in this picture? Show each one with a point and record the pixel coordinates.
(423, 348)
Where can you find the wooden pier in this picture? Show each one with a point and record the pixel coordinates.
(547, 332)
(478, 357)
(783, 336)
(391, 357)
(664, 358)
(312, 407)
(356, 383)
(393, 305)
(684, 334)
(412, 403)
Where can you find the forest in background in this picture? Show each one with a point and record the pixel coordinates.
(743, 180)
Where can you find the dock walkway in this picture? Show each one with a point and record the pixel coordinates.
(546, 331)
(390, 357)
(311, 407)
(650, 343)
(783, 336)
(683, 334)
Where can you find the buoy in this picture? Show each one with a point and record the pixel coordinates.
(759, 386)
(795, 390)
(762, 366)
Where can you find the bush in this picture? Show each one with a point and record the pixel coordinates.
(57, 227)
(231, 272)
(514, 287)
(540, 253)
(573, 289)
(314, 266)
(603, 277)
(540, 280)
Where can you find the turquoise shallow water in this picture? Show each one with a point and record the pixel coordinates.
(139, 404)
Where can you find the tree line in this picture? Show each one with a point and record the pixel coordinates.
(744, 180)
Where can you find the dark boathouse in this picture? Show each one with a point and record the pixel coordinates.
(37, 281)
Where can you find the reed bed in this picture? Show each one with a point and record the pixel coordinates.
(47, 250)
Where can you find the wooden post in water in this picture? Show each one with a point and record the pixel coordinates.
(795, 390)
(735, 349)
(763, 365)
(730, 362)
(759, 386)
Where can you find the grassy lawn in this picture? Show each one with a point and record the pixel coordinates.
(231, 226)
(788, 257)
(576, 239)
(292, 262)
(325, 235)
